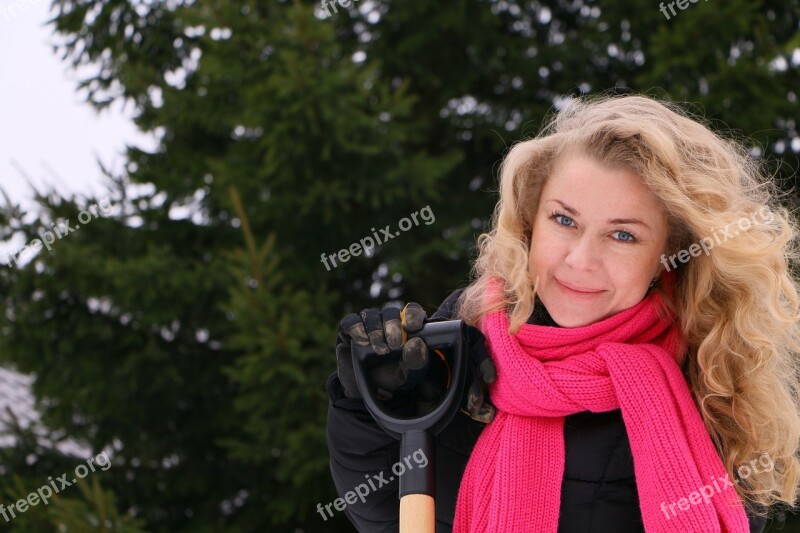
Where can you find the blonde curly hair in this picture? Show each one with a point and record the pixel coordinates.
(737, 306)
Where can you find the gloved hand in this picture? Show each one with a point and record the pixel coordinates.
(416, 381)
(384, 331)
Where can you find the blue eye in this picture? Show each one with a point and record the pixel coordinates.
(630, 238)
(563, 220)
(558, 216)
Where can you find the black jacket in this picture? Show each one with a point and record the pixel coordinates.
(598, 493)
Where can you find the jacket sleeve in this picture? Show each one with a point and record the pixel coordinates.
(362, 454)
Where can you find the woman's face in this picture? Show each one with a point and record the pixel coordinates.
(597, 240)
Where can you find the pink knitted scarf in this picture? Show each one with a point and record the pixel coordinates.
(628, 361)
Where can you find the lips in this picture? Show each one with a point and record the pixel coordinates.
(577, 288)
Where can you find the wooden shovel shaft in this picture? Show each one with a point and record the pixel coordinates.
(417, 514)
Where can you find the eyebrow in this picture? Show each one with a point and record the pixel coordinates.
(573, 211)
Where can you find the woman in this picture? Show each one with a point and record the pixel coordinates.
(636, 299)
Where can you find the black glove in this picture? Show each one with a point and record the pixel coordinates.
(415, 383)
(480, 372)
(384, 331)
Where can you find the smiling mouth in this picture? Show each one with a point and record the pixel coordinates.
(576, 289)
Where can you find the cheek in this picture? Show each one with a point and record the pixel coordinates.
(546, 243)
(631, 278)
(543, 253)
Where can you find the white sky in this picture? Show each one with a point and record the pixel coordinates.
(45, 128)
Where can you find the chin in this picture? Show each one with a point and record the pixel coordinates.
(575, 314)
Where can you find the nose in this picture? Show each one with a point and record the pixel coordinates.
(583, 254)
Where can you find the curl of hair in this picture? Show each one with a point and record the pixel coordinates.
(737, 305)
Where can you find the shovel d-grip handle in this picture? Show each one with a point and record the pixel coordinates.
(417, 433)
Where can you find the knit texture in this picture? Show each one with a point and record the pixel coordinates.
(628, 361)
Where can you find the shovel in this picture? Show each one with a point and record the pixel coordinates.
(418, 486)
